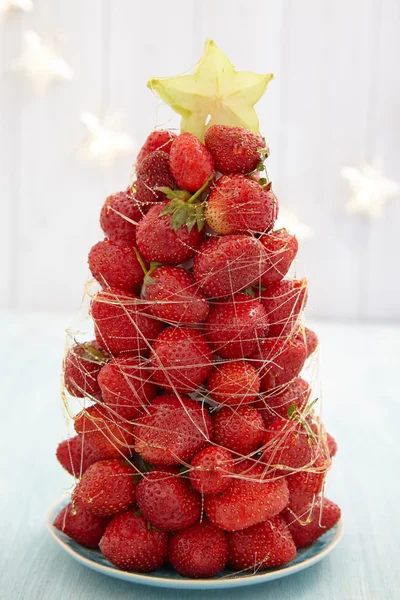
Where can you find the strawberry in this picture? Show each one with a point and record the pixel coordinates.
(199, 551)
(167, 501)
(191, 163)
(125, 386)
(234, 383)
(261, 546)
(82, 365)
(311, 341)
(235, 149)
(160, 139)
(106, 488)
(153, 172)
(80, 525)
(174, 296)
(305, 485)
(225, 265)
(131, 545)
(288, 445)
(276, 404)
(181, 359)
(314, 522)
(158, 241)
(235, 327)
(251, 499)
(114, 264)
(121, 323)
(280, 249)
(76, 456)
(240, 430)
(173, 430)
(279, 359)
(107, 434)
(284, 302)
(238, 204)
(119, 215)
(211, 469)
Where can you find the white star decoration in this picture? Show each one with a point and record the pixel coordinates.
(14, 5)
(105, 141)
(289, 220)
(370, 190)
(40, 63)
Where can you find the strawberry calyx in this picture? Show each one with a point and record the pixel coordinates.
(92, 354)
(186, 209)
(301, 418)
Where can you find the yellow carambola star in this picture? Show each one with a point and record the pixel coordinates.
(214, 94)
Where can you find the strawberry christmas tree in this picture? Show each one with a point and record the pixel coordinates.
(197, 440)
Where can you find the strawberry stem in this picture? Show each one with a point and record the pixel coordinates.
(141, 261)
(201, 190)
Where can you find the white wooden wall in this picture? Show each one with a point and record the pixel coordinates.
(335, 102)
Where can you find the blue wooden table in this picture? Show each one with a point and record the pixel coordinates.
(361, 401)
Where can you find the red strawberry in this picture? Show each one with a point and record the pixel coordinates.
(281, 248)
(279, 359)
(234, 383)
(125, 386)
(240, 430)
(238, 204)
(82, 364)
(174, 296)
(173, 430)
(235, 149)
(81, 525)
(332, 445)
(121, 323)
(110, 436)
(225, 265)
(211, 469)
(131, 545)
(158, 241)
(167, 501)
(106, 488)
(284, 302)
(119, 215)
(76, 456)
(276, 404)
(199, 551)
(153, 172)
(288, 445)
(157, 140)
(250, 499)
(262, 546)
(236, 326)
(191, 163)
(115, 264)
(305, 485)
(181, 359)
(311, 341)
(314, 522)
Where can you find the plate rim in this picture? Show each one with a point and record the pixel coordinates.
(186, 583)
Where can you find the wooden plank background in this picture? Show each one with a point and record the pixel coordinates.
(335, 102)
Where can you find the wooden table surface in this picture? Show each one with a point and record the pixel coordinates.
(360, 367)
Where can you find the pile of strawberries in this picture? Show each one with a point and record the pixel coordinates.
(198, 443)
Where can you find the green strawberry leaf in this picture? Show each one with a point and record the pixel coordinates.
(291, 411)
(249, 292)
(179, 217)
(92, 354)
(200, 217)
(171, 207)
(191, 219)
